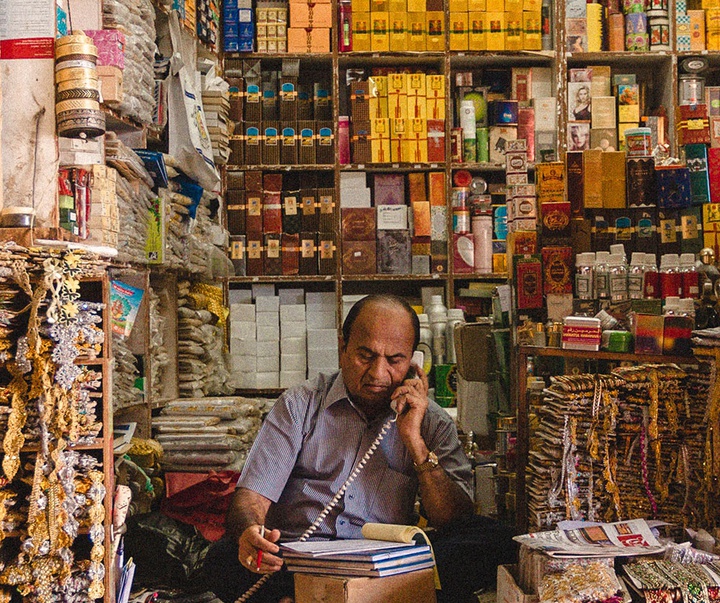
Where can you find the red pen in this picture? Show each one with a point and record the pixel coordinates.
(260, 551)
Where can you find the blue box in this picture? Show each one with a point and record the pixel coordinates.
(231, 30)
(673, 186)
(231, 44)
(503, 112)
(231, 15)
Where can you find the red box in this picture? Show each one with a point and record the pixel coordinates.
(436, 140)
(648, 333)
(714, 174)
(528, 276)
(463, 253)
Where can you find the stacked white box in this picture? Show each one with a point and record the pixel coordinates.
(293, 344)
(348, 301)
(322, 333)
(267, 308)
(243, 344)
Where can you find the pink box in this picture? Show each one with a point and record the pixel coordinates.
(111, 46)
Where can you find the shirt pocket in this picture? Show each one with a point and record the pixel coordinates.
(394, 499)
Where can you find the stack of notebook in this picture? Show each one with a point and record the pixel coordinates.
(361, 557)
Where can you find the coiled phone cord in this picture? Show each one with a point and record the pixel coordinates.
(324, 513)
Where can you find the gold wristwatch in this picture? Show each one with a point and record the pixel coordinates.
(431, 463)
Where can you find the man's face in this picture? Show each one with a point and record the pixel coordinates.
(377, 356)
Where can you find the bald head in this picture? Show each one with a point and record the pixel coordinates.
(372, 303)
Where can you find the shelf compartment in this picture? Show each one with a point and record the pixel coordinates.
(392, 167)
(469, 59)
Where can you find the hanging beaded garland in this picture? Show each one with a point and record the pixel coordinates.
(77, 96)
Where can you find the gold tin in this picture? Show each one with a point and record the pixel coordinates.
(75, 104)
(65, 75)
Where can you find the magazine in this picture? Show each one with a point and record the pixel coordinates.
(619, 539)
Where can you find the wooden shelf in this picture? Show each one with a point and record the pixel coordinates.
(604, 355)
(499, 276)
(319, 167)
(275, 391)
(393, 277)
(275, 56)
(298, 278)
(98, 445)
(393, 167)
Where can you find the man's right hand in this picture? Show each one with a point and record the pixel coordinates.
(251, 542)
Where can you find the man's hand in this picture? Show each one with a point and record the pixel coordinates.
(251, 542)
(410, 401)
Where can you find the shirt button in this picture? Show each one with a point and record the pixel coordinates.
(342, 522)
(351, 496)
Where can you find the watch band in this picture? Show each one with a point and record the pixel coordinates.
(431, 463)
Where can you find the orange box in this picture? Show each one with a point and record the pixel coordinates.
(416, 40)
(310, 15)
(308, 40)
(398, 136)
(416, 138)
(421, 218)
(436, 188)
(435, 96)
(697, 29)
(360, 6)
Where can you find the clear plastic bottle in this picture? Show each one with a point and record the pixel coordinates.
(690, 276)
(602, 275)
(636, 273)
(426, 343)
(671, 306)
(618, 278)
(584, 276)
(455, 316)
(437, 313)
(651, 278)
(670, 277)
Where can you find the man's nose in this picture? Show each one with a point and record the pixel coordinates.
(378, 367)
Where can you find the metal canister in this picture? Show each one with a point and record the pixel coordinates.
(459, 197)
(659, 33)
(461, 220)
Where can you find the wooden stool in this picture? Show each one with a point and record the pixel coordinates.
(411, 587)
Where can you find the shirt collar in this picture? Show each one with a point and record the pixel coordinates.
(338, 392)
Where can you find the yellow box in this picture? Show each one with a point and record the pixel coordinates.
(360, 6)
(379, 37)
(621, 127)
(397, 95)
(380, 140)
(398, 137)
(629, 113)
(458, 6)
(379, 6)
(495, 6)
(416, 141)
(477, 5)
(416, 6)
(417, 106)
(398, 31)
(361, 25)
(397, 6)
(416, 40)
(532, 30)
(533, 5)
(459, 34)
(435, 27)
(435, 95)
(495, 29)
(477, 31)
(378, 101)
(513, 31)
(514, 6)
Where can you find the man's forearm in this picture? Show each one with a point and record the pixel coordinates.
(442, 498)
(247, 508)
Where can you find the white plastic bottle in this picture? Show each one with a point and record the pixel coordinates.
(455, 316)
(425, 345)
(584, 275)
(618, 278)
(437, 313)
(602, 275)
(636, 275)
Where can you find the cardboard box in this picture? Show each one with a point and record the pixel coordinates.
(473, 347)
(508, 590)
(110, 83)
(411, 587)
(308, 39)
(310, 15)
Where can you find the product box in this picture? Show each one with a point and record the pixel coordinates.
(648, 333)
(416, 28)
(110, 81)
(312, 15)
(410, 587)
(459, 30)
(495, 23)
(581, 333)
(398, 32)
(435, 96)
(508, 590)
(359, 257)
(379, 34)
(309, 40)
(361, 28)
(435, 31)
(477, 31)
(393, 252)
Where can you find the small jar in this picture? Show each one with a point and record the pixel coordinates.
(17, 217)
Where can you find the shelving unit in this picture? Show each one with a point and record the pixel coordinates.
(520, 360)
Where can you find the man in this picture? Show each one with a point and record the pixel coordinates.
(317, 433)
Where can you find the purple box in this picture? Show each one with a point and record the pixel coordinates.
(111, 46)
(389, 189)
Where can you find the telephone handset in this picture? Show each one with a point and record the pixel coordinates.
(418, 358)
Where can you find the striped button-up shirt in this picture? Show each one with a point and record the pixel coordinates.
(309, 444)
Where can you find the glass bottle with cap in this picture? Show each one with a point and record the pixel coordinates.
(584, 275)
(651, 278)
(636, 273)
(618, 278)
(455, 316)
(602, 275)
